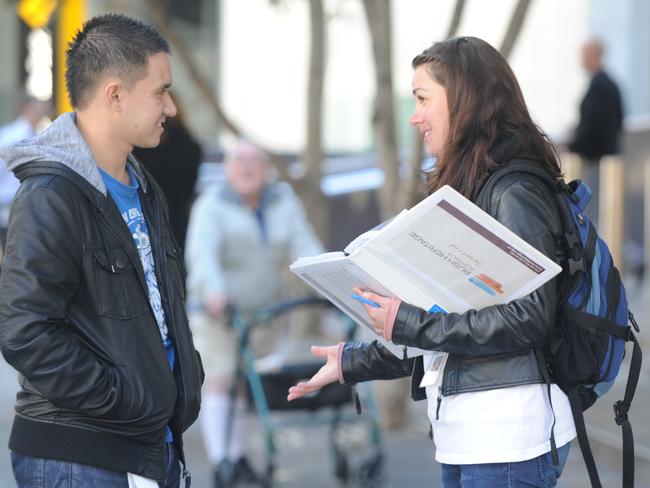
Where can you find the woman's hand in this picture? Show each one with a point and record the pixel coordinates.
(329, 373)
(378, 315)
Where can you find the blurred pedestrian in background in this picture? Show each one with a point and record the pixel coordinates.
(601, 120)
(90, 291)
(31, 112)
(494, 416)
(174, 164)
(241, 237)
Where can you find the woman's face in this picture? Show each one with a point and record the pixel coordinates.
(431, 114)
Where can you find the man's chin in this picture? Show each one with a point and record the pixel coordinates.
(149, 144)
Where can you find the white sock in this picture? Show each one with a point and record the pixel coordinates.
(213, 418)
(239, 428)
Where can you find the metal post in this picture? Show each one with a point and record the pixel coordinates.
(71, 16)
(611, 206)
(571, 166)
(646, 237)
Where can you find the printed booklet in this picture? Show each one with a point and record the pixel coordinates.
(443, 255)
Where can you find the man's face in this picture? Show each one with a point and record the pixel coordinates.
(247, 171)
(147, 103)
(591, 57)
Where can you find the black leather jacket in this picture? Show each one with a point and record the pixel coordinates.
(75, 321)
(489, 348)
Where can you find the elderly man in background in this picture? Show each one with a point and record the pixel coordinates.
(241, 236)
(30, 113)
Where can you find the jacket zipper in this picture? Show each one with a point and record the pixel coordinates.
(171, 323)
(438, 402)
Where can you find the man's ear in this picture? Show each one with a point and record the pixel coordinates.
(113, 92)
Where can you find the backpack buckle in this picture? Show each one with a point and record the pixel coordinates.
(620, 412)
(574, 252)
(633, 321)
(576, 265)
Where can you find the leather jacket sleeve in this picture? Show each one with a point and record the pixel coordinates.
(527, 209)
(40, 274)
(372, 361)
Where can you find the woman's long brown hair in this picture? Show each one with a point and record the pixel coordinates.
(485, 106)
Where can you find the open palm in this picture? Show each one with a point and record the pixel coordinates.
(329, 373)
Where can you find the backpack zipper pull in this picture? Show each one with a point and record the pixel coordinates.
(187, 477)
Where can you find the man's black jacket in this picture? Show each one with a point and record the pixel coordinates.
(601, 119)
(76, 322)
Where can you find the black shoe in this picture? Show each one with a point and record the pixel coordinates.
(224, 474)
(244, 473)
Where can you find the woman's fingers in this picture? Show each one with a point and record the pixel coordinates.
(326, 375)
(319, 351)
(374, 297)
(301, 389)
(297, 391)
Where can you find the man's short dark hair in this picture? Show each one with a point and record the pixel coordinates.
(110, 43)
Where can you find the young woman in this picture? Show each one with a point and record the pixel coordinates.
(492, 416)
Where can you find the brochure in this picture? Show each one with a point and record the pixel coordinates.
(443, 255)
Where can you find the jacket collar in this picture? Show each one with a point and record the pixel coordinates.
(100, 199)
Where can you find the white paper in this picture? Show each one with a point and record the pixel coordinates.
(136, 481)
(445, 252)
(366, 236)
(434, 365)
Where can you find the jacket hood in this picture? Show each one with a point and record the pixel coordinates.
(62, 143)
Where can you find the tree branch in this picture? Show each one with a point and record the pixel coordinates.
(514, 27)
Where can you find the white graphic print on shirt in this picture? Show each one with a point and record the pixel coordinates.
(135, 220)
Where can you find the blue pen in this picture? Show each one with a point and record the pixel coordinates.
(365, 300)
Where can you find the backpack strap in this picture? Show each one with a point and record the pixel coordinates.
(579, 421)
(541, 361)
(575, 258)
(596, 323)
(514, 166)
(621, 409)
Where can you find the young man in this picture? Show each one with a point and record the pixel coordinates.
(91, 294)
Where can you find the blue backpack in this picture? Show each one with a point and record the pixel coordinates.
(587, 346)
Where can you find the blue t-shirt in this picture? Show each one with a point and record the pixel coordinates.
(127, 200)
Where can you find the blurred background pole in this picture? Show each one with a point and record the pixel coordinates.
(611, 206)
(71, 15)
(646, 236)
(571, 166)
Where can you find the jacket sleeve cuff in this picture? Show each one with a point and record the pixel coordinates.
(390, 318)
(403, 331)
(340, 369)
(345, 364)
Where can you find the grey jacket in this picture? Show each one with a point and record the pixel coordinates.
(229, 252)
(491, 348)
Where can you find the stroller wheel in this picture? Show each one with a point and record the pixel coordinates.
(341, 466)
(371, 472)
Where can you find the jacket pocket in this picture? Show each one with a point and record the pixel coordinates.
(119, 293)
